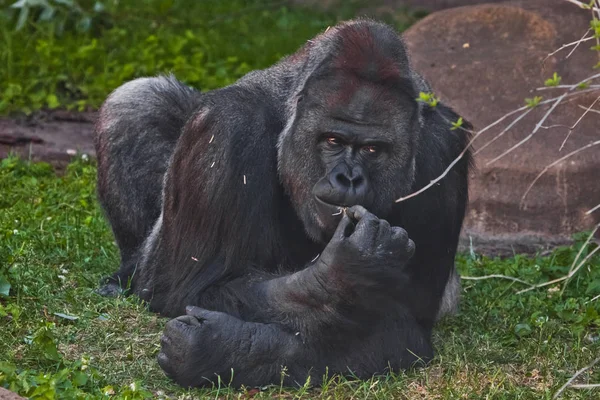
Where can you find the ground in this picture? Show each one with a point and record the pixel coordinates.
(60, 337)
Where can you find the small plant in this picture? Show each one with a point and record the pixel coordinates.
(533, 102)
(428, 98)
(554, 81)
(457, 124)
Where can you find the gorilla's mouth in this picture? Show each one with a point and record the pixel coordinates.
(329, 208)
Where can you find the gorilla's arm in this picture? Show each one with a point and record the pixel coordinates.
(355, 279)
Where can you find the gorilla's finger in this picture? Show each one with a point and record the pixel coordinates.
(345, 228)
(356, 212)
(163, 361)
(385, 231)
(366, 230)
(189, 320)
(399, 234)
(410, 248)
(165, 340)
(198, 312)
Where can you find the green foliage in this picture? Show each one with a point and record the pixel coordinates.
(533, 102)
(206, 44)
(595, 26)
(4, 286)
(44, 342)
(73, 381)
(61, 14)
(554, 81)
(457, 124)
(428, 98)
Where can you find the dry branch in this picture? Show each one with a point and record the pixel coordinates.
(581, 371)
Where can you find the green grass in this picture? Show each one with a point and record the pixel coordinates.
(206, 44)
(61, 340)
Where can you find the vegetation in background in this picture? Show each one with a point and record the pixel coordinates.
(59, 339)
(74, 55)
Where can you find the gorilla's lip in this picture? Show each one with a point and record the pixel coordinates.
(333, 207)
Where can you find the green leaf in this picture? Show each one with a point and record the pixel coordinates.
(4, 286)
(80, 378)
(67, 316)
(428, 98)
(45, 342)
(522, 330)
(457, 124)
(554, 81)
(583, 85)
(52, 101)
(533, 102)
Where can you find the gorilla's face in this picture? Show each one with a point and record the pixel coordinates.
(352, 142)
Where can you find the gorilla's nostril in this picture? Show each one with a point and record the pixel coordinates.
(343, 180)
(358, 181)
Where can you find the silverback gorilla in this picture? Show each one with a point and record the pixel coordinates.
(262, 216)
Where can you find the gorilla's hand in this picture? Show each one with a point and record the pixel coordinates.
(367, 250)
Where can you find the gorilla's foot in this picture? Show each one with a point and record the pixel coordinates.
(204, 346)
(111, 289)
(195, 348)
(113, 286)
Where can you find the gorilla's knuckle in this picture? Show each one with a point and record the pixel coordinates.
(400, 234)
(411, 247)
(164, 363)
(384, 225)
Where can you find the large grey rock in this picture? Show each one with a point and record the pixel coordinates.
(484, 61)
(432, 5)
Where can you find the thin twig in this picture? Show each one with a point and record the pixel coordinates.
(479, 133)
(583, 5)
(588, 212)
(581, 371)
(498, 136)
(593, 299)
(585, 386)
(537, 128)
(510, 278)
(569, 275)
(585, 108)
(541, 121)
(588, 240)
(577, 122)
(564, 46)
(579, 150)
(541, 88)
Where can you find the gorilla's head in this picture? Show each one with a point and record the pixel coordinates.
(352, 129)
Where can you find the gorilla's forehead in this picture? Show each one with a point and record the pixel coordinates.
(350, 98)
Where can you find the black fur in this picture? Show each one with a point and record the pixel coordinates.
(222, 201)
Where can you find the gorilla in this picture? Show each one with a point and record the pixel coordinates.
(262, 218)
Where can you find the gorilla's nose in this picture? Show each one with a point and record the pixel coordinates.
(343, 186)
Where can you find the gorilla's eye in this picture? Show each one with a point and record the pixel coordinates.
(333, 141)
(371, 149)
